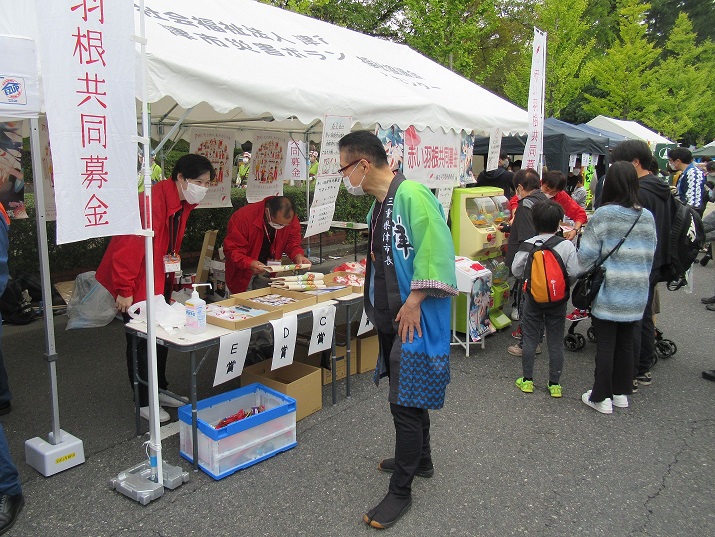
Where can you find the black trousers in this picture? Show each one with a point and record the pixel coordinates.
(644, 338)
(143, 365)
(614, 359)
(412, 431)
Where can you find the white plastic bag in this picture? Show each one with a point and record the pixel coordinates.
(166, 316)
(91, 305)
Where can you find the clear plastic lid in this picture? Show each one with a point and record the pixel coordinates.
(503, 210)
(481, 211)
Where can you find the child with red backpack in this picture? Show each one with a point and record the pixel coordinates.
(547, 264)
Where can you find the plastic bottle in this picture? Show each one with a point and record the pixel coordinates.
(196, 311)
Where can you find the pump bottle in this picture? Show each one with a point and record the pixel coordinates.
(196, 311)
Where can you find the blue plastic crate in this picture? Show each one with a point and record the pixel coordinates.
(242, 443)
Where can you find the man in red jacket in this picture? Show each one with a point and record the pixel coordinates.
(258, 233)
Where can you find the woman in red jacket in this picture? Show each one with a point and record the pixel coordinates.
(122, 270)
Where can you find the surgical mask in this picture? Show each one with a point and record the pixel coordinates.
(195, 193)
(274, 225)
(354, 190)
(245, 160)
(549, 195)
(577, 171)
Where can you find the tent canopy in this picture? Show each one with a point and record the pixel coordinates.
(561, 139)
(706, 150)
(243, 63)
(630, 129)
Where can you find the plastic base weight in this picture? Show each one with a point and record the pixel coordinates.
(136, 482)
(499, 319)
(50, 459)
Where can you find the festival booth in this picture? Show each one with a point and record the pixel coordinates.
(707, 150)
(302, 72)
(632, 130)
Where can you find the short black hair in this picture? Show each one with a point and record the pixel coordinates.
(710, 166)
(630, 150)
(281, 204)
(682, 154)
(621, 185)
(527, 178)
(554, 179)
(364, 144)
(547, 216)
(193, 166)
(503, 155)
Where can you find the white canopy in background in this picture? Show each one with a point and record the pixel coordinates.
(238, 62)
(630, 129)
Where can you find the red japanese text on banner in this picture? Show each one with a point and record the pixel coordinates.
(534, 148)
(87, 57)
(432, 158)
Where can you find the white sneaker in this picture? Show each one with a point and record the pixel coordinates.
(163, 414)
(621, 401)
(604, 407)
(166, 400)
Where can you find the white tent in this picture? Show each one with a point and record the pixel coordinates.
(630, 129)
(294, 70)
(706, 150)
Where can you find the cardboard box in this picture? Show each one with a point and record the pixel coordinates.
(301, 300)
(300, 381)
(368, 349)
(329, 294)
(225, 450)
(330, 279)
(263, 318)
(301, 355)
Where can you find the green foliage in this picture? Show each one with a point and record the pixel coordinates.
(86, 255)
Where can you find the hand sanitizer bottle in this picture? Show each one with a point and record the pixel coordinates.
(196, 311)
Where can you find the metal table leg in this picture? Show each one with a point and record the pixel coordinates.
(348, 318)
(194, 413)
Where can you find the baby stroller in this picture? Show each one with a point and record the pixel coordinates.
(573, 341)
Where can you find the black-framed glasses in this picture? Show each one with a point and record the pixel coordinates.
(342, 170)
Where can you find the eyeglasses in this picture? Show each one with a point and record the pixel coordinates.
(341, 171)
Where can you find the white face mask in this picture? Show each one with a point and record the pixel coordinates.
(577, 171)
(549, 195)
(194, 193)
(354, 190)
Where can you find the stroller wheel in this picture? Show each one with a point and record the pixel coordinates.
(662, 349)
(591, 333)
(572, 343)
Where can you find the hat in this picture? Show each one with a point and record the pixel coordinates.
(247, 154)
(313, 154)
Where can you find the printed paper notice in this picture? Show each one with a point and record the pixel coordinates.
(284, 333)
(334, 128)
(494, 149)
(323, 326)
(231, 356)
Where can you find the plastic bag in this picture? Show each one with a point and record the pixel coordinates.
(91, 305)
(168, 317)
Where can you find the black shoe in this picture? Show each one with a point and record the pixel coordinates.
(710, 307)
(388, 466)
(705, 260)
(10, 507)
(5, 408)
(708, 300)
(387, 512)
(709, 374)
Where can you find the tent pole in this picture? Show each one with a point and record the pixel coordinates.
(63, 451)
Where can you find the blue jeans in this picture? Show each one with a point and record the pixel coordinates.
(9, 479)
(5, 394)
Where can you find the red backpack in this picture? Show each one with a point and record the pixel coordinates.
(545, 276)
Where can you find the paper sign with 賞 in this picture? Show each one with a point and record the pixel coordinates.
(323, 326)
(284, 334)
(231, 356)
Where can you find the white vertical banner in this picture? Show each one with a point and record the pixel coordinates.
(285, 331)
(321, 339)
(334, 128)
(585, 160)
(47, 172)
(217, 146)
(231, 356)
(534, 149)
(268, 162)
(296, 165)
(432, 158)
(494, 149)
(87, 56)
(572, 161)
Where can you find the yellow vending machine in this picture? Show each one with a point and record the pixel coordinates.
(474, 215)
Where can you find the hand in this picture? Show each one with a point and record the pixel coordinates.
(570, 234)
(124, 302)
(302, 260)
(409, 317)
(257, 267)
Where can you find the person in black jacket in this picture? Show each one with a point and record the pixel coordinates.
(499, 178)
(654, 196)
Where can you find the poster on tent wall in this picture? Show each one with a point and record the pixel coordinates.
(217, 146)
(48, 179)
(432, 158)
(494, 149)
(393, 140)
(327, 183)
(296, 165)
(87, 56)
(268, 162)
(12, 182)
(465, 159)
(534, 149)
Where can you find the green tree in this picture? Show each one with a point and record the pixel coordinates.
(623, 77)
(663, 14)
(685, 95)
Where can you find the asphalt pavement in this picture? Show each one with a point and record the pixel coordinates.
(506, 463)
